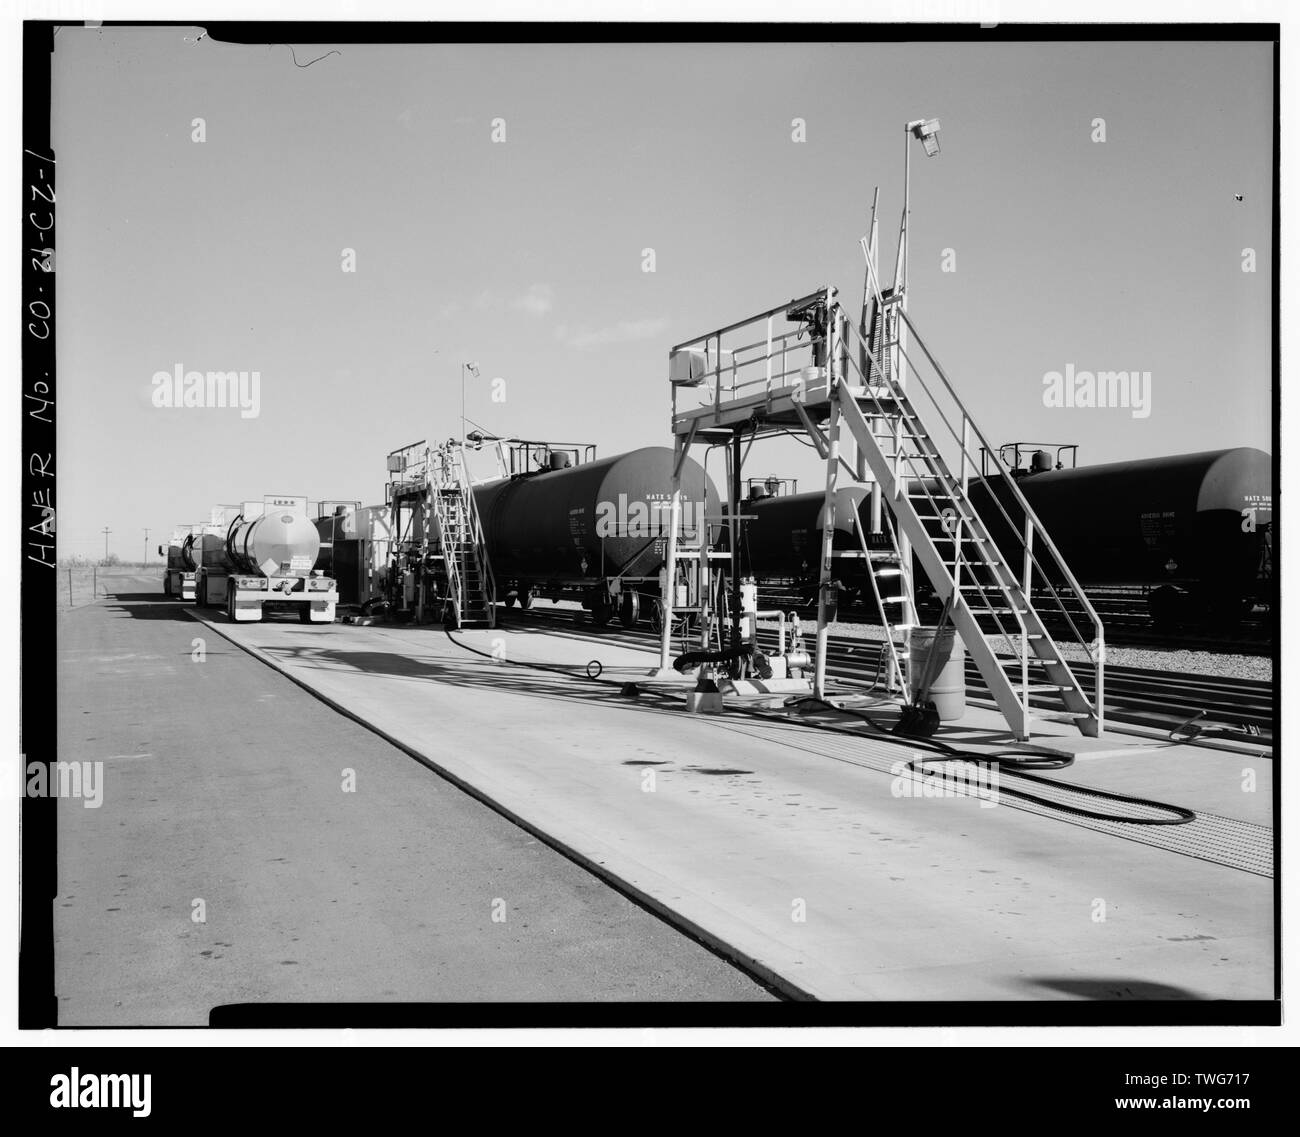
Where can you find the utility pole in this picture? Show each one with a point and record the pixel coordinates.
(146, 546)
(106, 531)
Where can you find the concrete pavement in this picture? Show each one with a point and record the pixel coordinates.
(224, 795)
(796, 854)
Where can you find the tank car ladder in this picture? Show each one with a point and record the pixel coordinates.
(936, 514)
(471, 588)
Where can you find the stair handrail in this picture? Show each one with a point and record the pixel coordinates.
(1005, 578)
(1024, 532)
(1020, 499)
(890, 384)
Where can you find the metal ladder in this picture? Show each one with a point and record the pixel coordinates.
(888, 564)
(471, 587)
(992, 604)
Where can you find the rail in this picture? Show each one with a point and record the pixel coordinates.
(772, 348)
(1026, 529)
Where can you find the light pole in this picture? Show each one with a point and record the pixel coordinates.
(106, 532)
(472, 368)
(146, 546)
(927, 131)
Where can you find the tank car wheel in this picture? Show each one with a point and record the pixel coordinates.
(512, 598)
(657, 617)
(526, 600)
(601, 613)
(629, 610)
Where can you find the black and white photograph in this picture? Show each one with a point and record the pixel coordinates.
(637, 526)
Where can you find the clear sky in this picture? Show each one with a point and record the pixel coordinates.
(526, 255)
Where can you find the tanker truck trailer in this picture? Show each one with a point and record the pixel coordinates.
(191, 546)
(178, 575)
(267, 562)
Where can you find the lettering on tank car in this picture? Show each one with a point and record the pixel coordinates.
(1256, 511)
(1156, 527)
(648, 518)
(578, 524)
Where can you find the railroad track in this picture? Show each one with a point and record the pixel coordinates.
(1134, 696)
(1127, 625)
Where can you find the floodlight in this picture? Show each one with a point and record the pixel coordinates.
(927, 130)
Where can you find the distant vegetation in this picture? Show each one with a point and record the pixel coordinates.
(112, 561)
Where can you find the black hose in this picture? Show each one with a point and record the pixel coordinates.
(1018, 761)
(1187, 731)
(572, 674)
(690, 659)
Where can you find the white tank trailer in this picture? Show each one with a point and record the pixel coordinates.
(268, 561)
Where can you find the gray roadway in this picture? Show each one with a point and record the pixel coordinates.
(223, 784)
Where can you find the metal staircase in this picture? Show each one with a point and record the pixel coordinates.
(992, 605)
(471, 588)
(1014, 601)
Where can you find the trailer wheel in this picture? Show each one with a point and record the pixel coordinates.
(201, 594)
(526, 600)
(167, 585)
(512, 598)
(230, 605)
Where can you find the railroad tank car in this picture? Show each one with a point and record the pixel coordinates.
(782, 534)
(600, 527)
(1192, 528)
